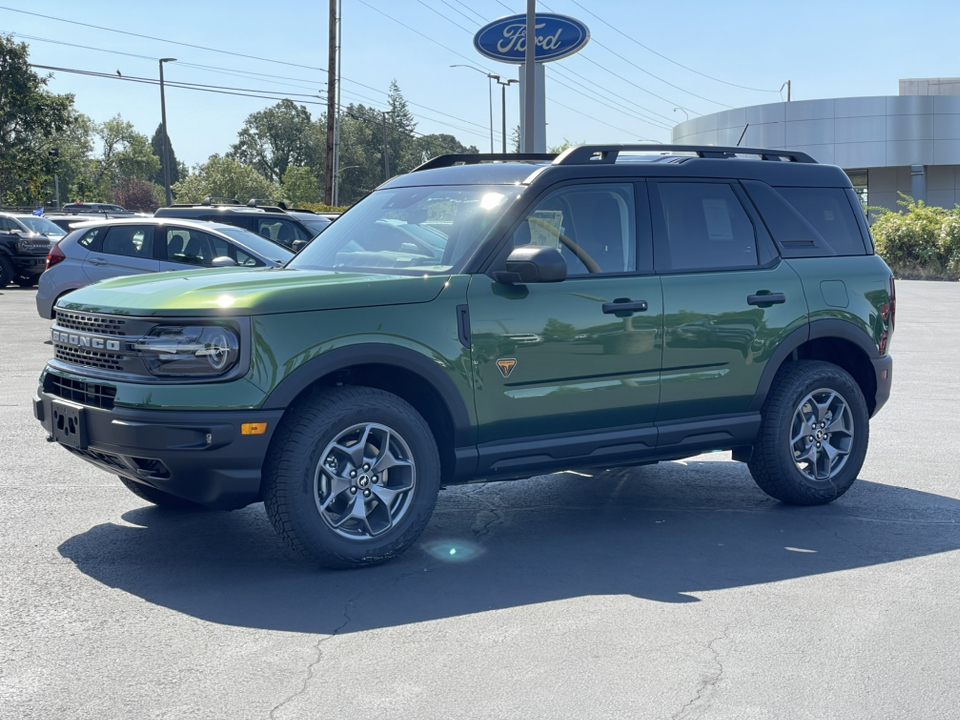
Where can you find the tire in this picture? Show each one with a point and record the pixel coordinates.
(322, 489)
(7, 272)
(792, 458)
(157, 497)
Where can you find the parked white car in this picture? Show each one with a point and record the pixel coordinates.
(108, 248)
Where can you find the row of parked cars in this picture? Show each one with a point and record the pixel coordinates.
(86, 243)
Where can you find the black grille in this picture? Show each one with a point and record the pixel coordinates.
(89, 358)
(78, 391)
(101, 458)
(85, 322)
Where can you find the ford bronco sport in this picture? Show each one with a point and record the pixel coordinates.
(494, 317)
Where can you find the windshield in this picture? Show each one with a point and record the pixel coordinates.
(406, 231)
(316, 223)
(41, 225)
(259, 244)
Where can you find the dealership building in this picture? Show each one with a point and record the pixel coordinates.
(907, 143)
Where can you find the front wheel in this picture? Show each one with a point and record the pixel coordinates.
(351, 477)
(814, 434)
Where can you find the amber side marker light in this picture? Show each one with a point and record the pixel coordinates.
(253, 428)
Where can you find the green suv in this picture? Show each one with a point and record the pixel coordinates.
(487, 318)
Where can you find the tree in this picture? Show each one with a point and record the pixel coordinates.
(224, 177)
(401, 129)
(126, 155)
(137, 195)
(156, 143)
(299, 186)
(73, 145)
(279, 138)
(29, 116)
(429, 146)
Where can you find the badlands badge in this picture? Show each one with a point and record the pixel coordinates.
(506, 366)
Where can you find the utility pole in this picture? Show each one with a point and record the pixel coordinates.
(530, 80)
(331, 105)
(166, 140)
(786, 85)
(386, 148)
(503, 104)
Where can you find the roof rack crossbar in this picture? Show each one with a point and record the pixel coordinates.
(609, 153)
(442, 161)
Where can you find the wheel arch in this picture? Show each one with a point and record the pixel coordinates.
(836, 341)
(405, 373)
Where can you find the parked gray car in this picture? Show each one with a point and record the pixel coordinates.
(109, 248)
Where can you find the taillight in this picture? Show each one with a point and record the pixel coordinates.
(55, 256)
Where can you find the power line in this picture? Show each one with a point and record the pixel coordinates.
(579, 112)
(467, 7)
(414, 30)
(621, 108)
(443, 16)
(238, 73)
(649, 49)
(458, 10)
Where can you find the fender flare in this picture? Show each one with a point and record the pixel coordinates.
(376, 354)
(827, 328)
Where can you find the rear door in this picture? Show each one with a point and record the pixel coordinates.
(729, 300)
(122, 250)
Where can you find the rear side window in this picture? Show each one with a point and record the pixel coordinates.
(808, 222)
(130, 241)
(704, 228)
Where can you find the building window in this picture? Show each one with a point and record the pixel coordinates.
(859, 180)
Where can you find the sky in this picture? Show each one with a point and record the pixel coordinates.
(647, 67)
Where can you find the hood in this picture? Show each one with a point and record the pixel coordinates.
(240, 291)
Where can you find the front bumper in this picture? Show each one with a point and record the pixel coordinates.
(199, 456)
(29, 265)
(883, 367)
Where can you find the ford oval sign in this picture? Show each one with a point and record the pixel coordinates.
(505, 40)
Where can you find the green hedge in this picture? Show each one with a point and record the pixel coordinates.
(319, 207)
(919, 241)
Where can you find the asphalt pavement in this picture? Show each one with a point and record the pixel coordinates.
(671, 591)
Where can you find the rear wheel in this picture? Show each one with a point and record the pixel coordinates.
(814, 435)
(351, 477)
(157, 497)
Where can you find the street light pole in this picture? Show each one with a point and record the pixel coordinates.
(490, 79)
(503, 86)
(166, 140)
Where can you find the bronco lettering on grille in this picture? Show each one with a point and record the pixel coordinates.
(89, 341)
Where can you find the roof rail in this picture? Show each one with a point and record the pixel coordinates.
(608, 153)
(442, 161)
(256, 202)
(220, 201)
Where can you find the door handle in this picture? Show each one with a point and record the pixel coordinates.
(626, 305)
(97, 261)
(766, 298)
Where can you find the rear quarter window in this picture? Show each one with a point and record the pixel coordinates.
(808, 222)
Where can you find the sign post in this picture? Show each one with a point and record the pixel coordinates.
(555, 37)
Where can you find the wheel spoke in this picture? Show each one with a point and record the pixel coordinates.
(387, 460)
(356, 511)
(838, 426)
(338, 486)
(821, 409)
(809, 455)
(832, 451)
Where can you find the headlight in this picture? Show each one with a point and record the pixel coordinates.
(189, 350)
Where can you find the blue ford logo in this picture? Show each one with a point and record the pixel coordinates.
(505, 40)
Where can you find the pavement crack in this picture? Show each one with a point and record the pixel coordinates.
(700, 701)
(311, 668)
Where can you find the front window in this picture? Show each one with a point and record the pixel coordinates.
(406, 231)
(257, 243)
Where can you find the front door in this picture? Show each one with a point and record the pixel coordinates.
(122, 250)
(555, 359)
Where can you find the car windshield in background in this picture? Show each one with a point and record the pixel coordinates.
(407, 231)
(41, 225)
(257, 243)
(316, 224)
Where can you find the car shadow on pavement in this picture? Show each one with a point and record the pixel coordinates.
(665, 533)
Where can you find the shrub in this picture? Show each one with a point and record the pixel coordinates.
(920, 241)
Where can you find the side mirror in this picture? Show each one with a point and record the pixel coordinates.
(299, 245)
(223, 261)
(533, 264)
